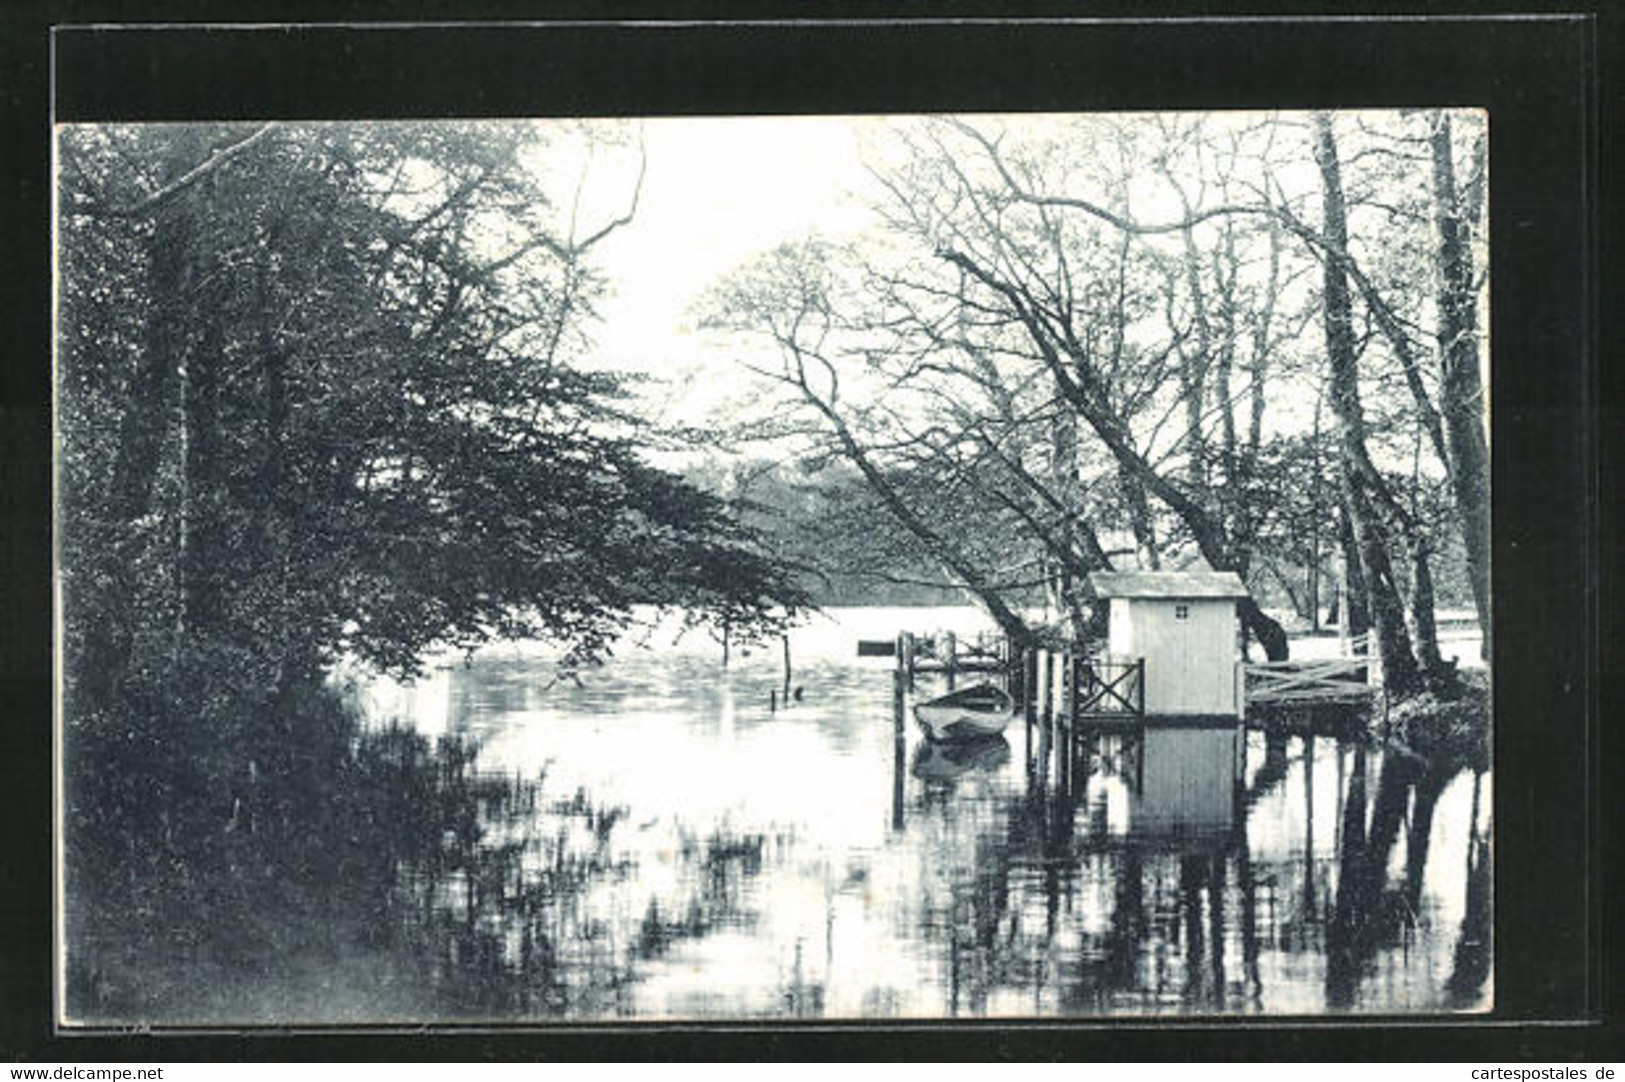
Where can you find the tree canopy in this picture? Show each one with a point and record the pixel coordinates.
(319, 396)
(1070, 341)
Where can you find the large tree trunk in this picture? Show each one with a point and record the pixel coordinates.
(147, 424)
(1139, 519)
(1462, 391)
(1357, 620)
(1384, 608)
(1383, 601)
(1424, 628)
(1063, 477)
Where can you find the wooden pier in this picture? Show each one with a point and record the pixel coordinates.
(1064, 679)
(1067, 697)
(1350, 678)
(1076, 707)
(1068, 686)
(1080, 704)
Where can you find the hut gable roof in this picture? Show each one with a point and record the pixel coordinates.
(1169, 584)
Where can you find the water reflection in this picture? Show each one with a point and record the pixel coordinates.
(940, 765)
(698, 848)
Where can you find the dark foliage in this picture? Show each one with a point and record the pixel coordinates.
(317, 399)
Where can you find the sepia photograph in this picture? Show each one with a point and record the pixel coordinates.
(1016, 566)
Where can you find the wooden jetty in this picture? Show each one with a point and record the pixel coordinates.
(942, 653)
(1091, 682)
(1350, 678)
(1173, 659)
(1074, 685)
(1084, 703)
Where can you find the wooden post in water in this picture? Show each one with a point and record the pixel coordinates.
(950, 656)
(1048, 700)
(905, 652)
(1086, 748)
(1045, 688)
(897, 703)
(1014, 665)
(899, 742)
(1063, 718)
(1040, 708)
(785, 639)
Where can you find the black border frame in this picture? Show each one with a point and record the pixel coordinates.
(1539, 76)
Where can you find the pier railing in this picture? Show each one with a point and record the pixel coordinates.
(1326, 680)
(1110, 686)
(1064, 682)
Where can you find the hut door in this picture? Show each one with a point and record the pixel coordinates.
(1206, 678)
(1184, 622)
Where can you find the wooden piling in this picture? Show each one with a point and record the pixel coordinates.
(1087, 742)
(950, 657)
(1057, 686)
(1015, 663)
(1040, 688)
(899, 748)
(1063, 718)
(1044, 755)
(1063, 757)
(1046, 685)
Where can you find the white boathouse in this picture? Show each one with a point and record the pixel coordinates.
(1183, 625)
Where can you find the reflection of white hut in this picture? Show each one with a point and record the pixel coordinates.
(1183, 623)
(1187, 781)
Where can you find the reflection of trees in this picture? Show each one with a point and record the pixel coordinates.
(520, 908)
(1069, 916)
(1272, 771)
(1370, 913)
(1418, 837)
(1252, 986)
(1022, 918)
(497, 902)
(1472, 961)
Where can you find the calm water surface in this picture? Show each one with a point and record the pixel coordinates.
(691, 852)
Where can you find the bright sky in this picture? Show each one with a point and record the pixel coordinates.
(717, 192)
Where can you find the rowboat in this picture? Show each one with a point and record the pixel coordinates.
(983, 710)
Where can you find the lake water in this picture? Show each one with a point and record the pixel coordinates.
(692, 852)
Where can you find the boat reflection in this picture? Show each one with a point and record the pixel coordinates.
(943, 763)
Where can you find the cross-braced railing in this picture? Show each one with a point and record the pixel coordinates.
(1109, 686)
(1322, 680)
